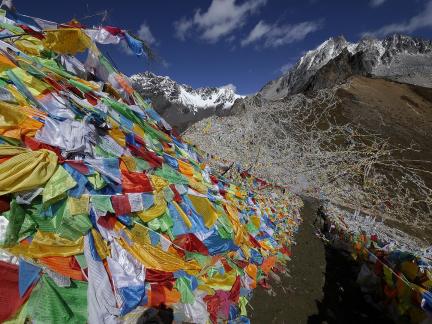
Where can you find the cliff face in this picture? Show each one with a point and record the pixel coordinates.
(337, 71)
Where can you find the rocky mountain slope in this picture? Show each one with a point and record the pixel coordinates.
(356, 154)
(349, 122)
(180, 104)
(397, 57)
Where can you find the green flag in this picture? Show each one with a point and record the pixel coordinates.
(50, 304)
(184, 286)
(102, 203)
(56, 187)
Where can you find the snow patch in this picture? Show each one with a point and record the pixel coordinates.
(194, 99)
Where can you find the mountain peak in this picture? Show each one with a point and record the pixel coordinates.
(180, 104)
(391, 57)
(336, 40)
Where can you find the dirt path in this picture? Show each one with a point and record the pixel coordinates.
(296, 296)
(321, 287)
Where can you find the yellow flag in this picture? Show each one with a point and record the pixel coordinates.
(156, 210)
(155, 258)
(205, 208)
(67, 40)
(26, 169)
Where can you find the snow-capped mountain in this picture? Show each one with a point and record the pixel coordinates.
(180, 104)
(400, 58)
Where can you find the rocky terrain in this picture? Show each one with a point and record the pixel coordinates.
(349, 123)
(180, 104)
(400, 58)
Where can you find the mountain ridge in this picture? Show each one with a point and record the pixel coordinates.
(180, 104)
(396, 57)
(311, 127)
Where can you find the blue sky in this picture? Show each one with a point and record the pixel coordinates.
(241, 42)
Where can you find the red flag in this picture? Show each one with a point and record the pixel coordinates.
(107, 221)
(151, 157)
(4, 203)
(177, 197)
(191, 243)
(113, 30)
(10, 299)
(35, 145)
(135, 182)
(235, 291)
(121, 205)
(153, 276)
(32, 32)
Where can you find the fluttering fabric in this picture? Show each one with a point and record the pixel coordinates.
(25, 170)
(67, 41)
(104, 208)
(9, 292)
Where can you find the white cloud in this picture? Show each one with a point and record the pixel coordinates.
(230, 86)
(146, 35)
(256, 33)
(376, 3)
(421, 20)
(285, 68)
(182, 27)
(221, 19)
(275, 35)
(165, 64)
(231, 39)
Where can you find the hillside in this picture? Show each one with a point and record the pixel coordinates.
(329, 140)
(350, 123)
(398, 111)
